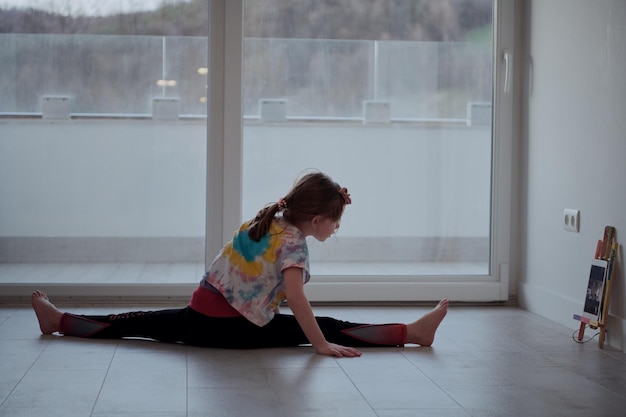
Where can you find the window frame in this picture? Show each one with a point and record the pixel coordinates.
(224, 171)
(224, 185)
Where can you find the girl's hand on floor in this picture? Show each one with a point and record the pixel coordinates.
(332, 349)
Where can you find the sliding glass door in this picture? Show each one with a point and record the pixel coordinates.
(103, 146)
(395, 101)
(131, 151)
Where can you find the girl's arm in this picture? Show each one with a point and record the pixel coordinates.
(299, 305)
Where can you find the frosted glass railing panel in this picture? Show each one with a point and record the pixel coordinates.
(317, 78)
(101, 74)
(432, 80)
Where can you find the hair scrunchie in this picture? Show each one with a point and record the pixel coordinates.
(346, 195)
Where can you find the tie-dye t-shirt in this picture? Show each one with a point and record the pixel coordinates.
(249, 274)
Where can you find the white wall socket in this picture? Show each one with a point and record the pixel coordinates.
(571, 220)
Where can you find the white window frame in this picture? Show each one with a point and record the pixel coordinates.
(224, 184)
(224, 171)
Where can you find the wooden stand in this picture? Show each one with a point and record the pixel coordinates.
(606, 249)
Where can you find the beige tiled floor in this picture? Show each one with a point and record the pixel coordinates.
(486, 361)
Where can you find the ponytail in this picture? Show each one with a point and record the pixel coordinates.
(260, 226)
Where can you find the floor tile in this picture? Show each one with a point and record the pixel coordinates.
(242, 402)
(75, 353)
(145, 381)
(46, 393)
(18, 356)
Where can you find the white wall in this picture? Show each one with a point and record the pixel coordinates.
(81, 190)
(72, 178)
(574, 139)
(414, 180)
(145, 178)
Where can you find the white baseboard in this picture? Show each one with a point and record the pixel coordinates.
(561, 310)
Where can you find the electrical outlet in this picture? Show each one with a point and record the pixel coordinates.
(571, 220)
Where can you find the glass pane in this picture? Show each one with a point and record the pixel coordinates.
(393, 101)
(103, 144)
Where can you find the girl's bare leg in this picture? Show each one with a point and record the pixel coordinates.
(48, 315)
(422, 331)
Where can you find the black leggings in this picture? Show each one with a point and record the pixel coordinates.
(190, 327)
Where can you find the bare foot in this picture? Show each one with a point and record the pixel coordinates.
(48, 315)
(422, 331)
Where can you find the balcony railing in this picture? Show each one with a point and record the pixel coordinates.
(144, 76)
(132, 189)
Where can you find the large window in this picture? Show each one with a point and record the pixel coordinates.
(135, 136)
(395, 101)
(103, 143)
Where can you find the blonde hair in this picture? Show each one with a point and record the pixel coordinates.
(314, 194)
